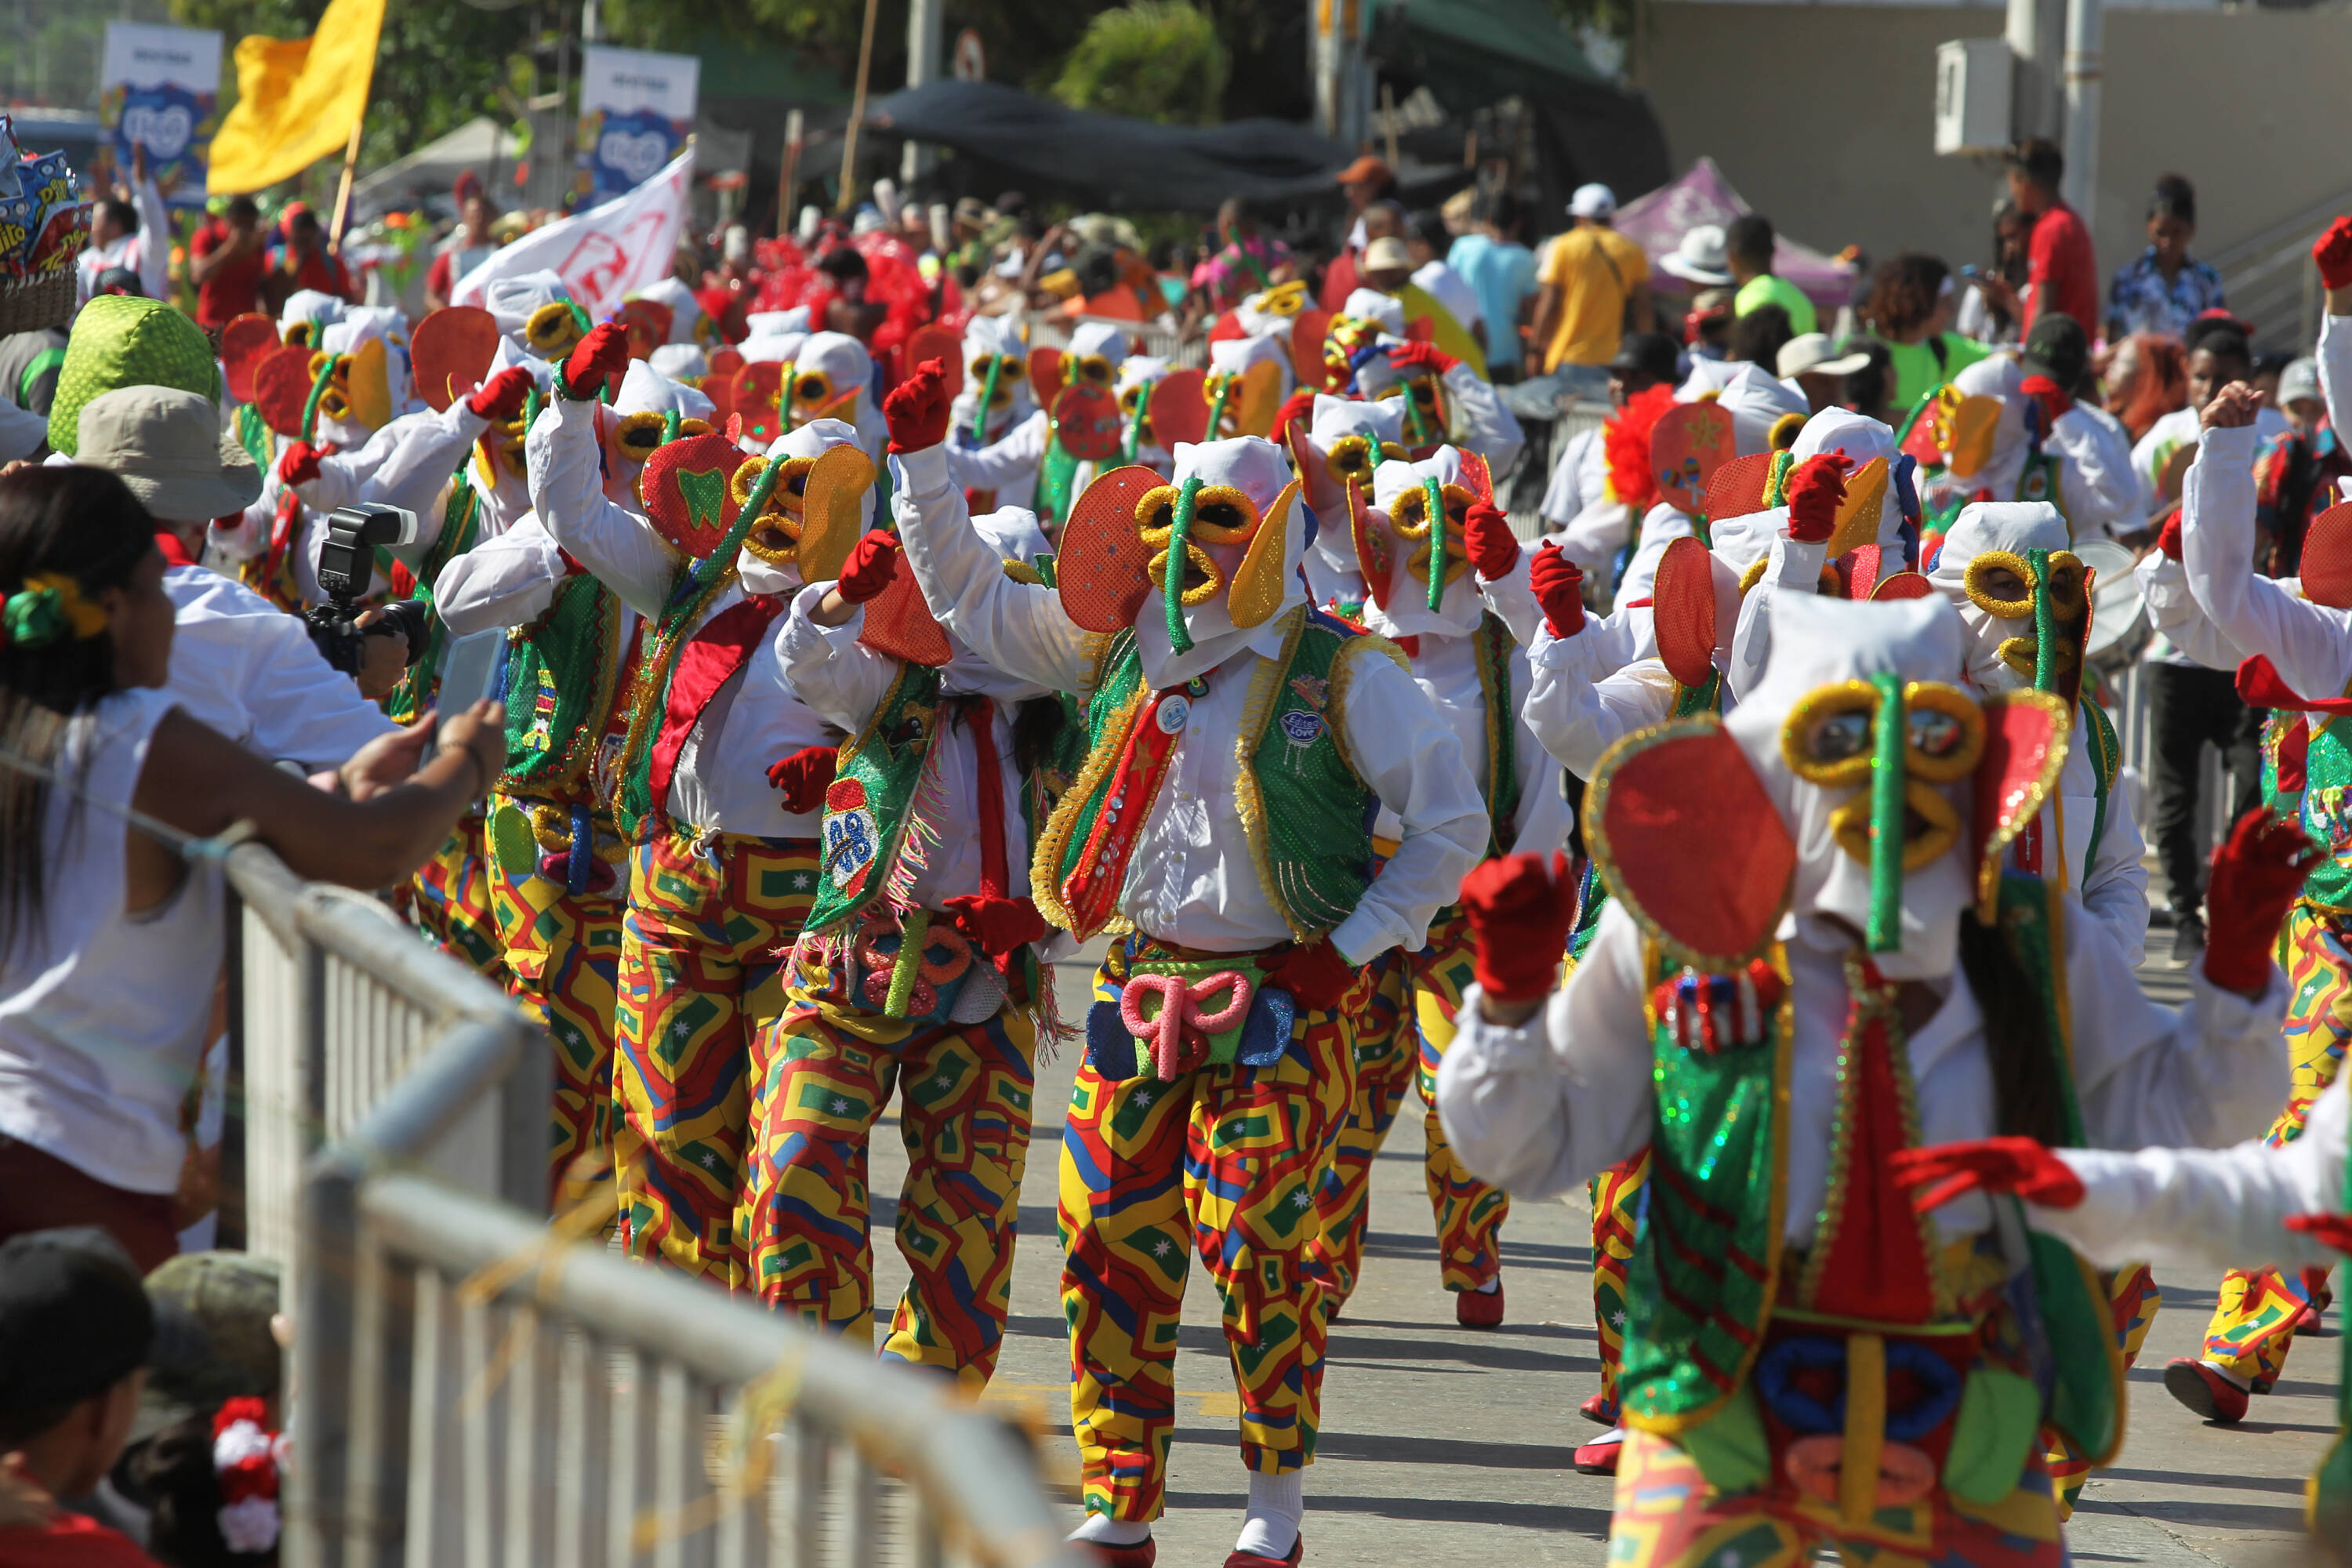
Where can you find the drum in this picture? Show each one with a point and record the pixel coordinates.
(2120, 627)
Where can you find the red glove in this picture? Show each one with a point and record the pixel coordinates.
(873, 562)
(916, 409)
(997, 925)
(804, 777)
(1520, 908)
(2018, 1165)
(602, 355)
(501, 396)
(1298, 405)
(1494, 547)
(2256, 875)
(299, 464)
(2168, 538)
(1426, 359)
(1317, 977)
(2332, 251)
(1814, 492)
(1558, 587)
(2327, 1229)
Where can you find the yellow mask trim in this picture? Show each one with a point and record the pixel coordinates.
(1259, 581)
(1969, 428)
(1857, 515)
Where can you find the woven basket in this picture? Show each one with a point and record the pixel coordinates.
(42, 303)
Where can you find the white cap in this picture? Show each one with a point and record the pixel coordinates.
(2299, 380)
(1595, 200)
(1809, 353)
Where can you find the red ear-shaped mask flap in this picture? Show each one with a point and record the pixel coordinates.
(1858, 570)
(1684, 611)
(1306, 333)
(723, 362)
(1087, 422)
(686, 488)
(942, 345)
(1477, 477)
(759, 386)
(1044, 375)
(899, 624)
(1656, 795)
(1375, 547)
(281, 386)
(451, 352)
(1316, 485)
(1737, 488)
(2327, 565)
(2025, 747)
(1688, 447)
(720, 390)
(1101, 569)
(1902, 585)
(244, 341)
(1179, 410)
(647, 323)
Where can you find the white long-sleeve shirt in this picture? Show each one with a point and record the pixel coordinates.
(755, 720)
(147, 252)
(1477, 421)
(2211, 1208)
(2101, 492)
(508, 581)
(249, 671)
(1541, 1107)
(1446, 670)
(1591, 527)
(2173, 611)
(1192, 877)
(1009, 465)
(2310, 645)
(1587, 692)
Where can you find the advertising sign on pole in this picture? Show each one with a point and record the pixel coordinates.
(636, 110)
(160, 89)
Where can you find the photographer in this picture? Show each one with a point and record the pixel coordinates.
(239, 664)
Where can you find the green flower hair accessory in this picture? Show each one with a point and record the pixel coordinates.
(49, 606)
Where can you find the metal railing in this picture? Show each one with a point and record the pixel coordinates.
(2269, 280)
(472, 1388)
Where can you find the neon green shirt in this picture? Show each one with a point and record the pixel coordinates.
(1767, 288)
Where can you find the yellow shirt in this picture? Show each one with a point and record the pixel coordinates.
(1595, 270)
(1450, 335)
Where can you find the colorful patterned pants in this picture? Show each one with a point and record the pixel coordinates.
(2253, 1321)
(1390, 1052)
(2134, 1299)
(965, 1103)
(700, 983)
(1616, 1207)
(1225, 1162)
(448, 900)
(1667, 1516)
(564, 957)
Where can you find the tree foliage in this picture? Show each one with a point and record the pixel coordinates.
(1160, 59)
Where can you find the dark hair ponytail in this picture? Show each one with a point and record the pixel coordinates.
(85, 525)
(2028, 1099)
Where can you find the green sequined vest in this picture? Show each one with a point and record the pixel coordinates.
(1492, 646)
(1307, 815)
(2322, 806)
(461, 528)
(562, 676)
(868, 808)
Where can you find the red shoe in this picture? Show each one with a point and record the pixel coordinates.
(1257, 1560)
(1141, 1555)
(2204, 1390)
(2307, 1322)
(1596, 1410)
(1600, 1458)
(1479, 1308)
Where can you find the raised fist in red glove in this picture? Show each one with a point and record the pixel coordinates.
(2332, 251)
(2167, 539)
(1558, 587)
(501, 396)
(873, 562)
(1494, 547)
(1519, 908)
(1317, 977)
(804, 777)
(1299, 406)
(2256, 875)
(1421, 359)
(2327, 1229)
(299, 464)
(602, 355)
(916, 409)
(1814, 492)
(2017, 1166)
(997, 925)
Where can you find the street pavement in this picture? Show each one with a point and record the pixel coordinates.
(1444, 1446)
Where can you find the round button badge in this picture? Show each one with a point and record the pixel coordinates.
(1173, 714)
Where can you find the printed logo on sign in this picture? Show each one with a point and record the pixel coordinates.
(163, 129)
(637, 157)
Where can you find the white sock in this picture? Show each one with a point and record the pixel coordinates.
(1276, 1504)
(2234, 1381)
(1491, 1285)
(1109, 1531)
(1615, 1434)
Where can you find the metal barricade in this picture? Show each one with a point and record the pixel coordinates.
(338, 1002)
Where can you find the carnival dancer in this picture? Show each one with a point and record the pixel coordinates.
(1240, 745)
(1430, 523)
(721, 871)
(557, 868)
(1856, 973)
(1584, 502)
(995, 399)
(1030, 452)
(923, 965)
(2297, 635)
(1445, 401)
(1345, 440)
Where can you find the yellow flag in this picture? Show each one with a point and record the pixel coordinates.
(298, 98)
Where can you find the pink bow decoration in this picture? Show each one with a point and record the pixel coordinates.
(1178, 1034)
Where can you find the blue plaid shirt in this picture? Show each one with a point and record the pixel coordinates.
(2139, 300)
